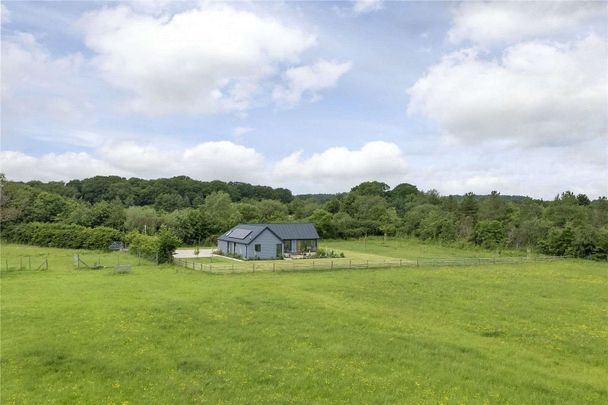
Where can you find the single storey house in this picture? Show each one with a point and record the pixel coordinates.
(269, 241)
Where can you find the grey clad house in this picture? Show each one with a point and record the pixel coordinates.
(269, 241)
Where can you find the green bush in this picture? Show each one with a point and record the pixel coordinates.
(162, 245)
(62, 235)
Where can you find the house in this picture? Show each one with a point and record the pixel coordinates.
(269, 241)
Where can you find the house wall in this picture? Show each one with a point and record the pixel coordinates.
(222, 246)
(268, 242)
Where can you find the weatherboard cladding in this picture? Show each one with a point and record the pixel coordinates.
(268, 242)
(282, 231)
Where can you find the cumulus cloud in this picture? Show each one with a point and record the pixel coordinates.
(38, 89)
(334, 169)
(536, 93)
(222, 160)
(5, 15)
(308, 80)
(340, 168)
(53, 166)
(208, 60)
(496, 22)
(367, 6)
(540, 172)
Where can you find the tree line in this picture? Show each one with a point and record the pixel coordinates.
(197, 212)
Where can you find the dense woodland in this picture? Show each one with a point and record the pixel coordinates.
(196, 212)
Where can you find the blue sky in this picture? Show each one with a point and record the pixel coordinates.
(313, 96)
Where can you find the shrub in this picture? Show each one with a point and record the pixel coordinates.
(62, 235)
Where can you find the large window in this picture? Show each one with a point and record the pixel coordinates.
(287, 245)
(258, 247)
(306, 245)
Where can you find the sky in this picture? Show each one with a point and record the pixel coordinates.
(312, 96)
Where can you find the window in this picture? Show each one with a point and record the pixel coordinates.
(258, 247)
(306, 245)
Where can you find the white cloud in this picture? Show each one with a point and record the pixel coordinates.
(536, 93)
(339, 168)
(209, 60)
(25, 62)
(222, 160)
(367, 6)
(52, 166)
(308, 80)
(40, 90)
(5, 15)
(540, 172)
(507, 21)
(240, 131)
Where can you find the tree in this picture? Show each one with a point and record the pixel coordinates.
(143, 219)
(271, 211)
(490, 234)
(219, 213)
(169, 202)
(167, 243)
(48, 207)
(323, 222)
(374, 188)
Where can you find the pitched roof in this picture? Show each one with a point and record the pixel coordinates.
(281, 231)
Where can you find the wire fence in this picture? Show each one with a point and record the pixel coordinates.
(80, 260)
(347, 264)
(86, 260)
(30, 263)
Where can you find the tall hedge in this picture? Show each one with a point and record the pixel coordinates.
(62, 235)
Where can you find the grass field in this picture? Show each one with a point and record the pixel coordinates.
(405, 248)
(528, 333)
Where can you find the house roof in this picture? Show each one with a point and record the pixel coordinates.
(281, 231)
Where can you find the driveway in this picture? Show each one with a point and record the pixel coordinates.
(189, 253)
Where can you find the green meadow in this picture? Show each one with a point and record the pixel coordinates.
(523, 333)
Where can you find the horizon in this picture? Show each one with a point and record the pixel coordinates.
(313, 194)
(314, 97)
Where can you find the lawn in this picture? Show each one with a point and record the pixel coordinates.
(406, 248)
(526, 333)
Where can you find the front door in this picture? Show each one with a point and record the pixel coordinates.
(279, 249)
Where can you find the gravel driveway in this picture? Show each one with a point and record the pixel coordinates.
(189, 253)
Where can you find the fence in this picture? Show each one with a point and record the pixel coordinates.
(94, 261)
(34, 263)
(346, 264)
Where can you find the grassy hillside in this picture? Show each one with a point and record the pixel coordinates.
(520, 334)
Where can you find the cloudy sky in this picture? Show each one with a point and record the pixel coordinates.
(312, 96)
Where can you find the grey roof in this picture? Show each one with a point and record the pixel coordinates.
(282, 231)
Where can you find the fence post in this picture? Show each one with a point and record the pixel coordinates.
(350, 263)
(273, 267)
(367, 265)
(253, 266)
(233, 267)
(78, 262)
(29, 259)
(332, 265)
(400, 262)
(417, 263)
(20, 263)
(313, 264)
(6, 264)
(47, 261)
(157, 258)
